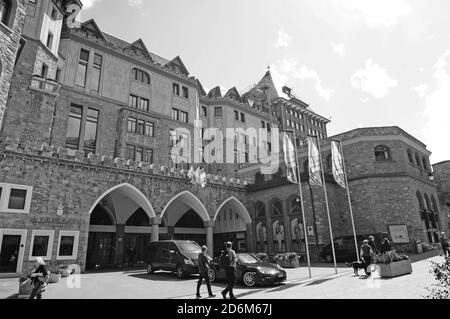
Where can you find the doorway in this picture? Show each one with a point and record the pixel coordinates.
(12, 243)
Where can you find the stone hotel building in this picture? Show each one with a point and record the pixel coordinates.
(88, 124)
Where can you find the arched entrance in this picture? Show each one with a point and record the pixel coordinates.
(185, 218)
(230, 221)
(120, 228)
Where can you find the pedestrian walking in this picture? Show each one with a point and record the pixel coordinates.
(39, 278)
(204, 261)
(131, 255)
(228, 261)
(366, 255)
(445, 245)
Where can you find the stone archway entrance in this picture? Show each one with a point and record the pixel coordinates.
(120, 228)
(231, 223)
(186, 218)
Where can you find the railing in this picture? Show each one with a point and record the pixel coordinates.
(45, 85)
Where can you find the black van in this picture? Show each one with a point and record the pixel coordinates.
(344, 247)
(179, 256)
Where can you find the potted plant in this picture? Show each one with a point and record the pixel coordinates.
(55, 274)
(392, 264)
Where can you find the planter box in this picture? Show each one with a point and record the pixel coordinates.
(286, 264)
(396, 269)
(54, 278)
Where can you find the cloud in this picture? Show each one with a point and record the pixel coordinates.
(283, 40)
(339, 49)
(373, 80)
(87, 4)
(420, 90)
(134, 3)
(288, 69)
(377, 14)
(437, 111)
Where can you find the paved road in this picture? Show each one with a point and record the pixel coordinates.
(324, 284)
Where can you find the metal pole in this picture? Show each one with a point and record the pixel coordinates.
(326, 202)
(349, 200)
(301, 202)
(314, 217)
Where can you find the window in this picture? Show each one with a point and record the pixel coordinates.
(82, 68)
(90, 134)
(149, 129)
(425, 163)
(175, 114)
(263, 124)
(243, 117)
(218, 112)
(68, 245)
(5, 9)
(131, 127)
(50, 40)
(277, 208)
(269, 128)
(204, 111)
(15, 198)
(139, 154)
(178, 115)
(130, 152)
(42, 244)
(382, 153)
(236, 115)
(143, 105)
(185, 92)
(73, 127)
(176, 89)
(418, 162)
(148, 156)
(96, 72)
(183, 117)
(410, 156)
(141, 76)
(172, 138)
(133, 101)
(44, 70)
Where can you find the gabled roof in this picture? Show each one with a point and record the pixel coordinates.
(215, 93)
(200, 87)
(234, 95)
(92, 26)
(178, 63)
(140, 46)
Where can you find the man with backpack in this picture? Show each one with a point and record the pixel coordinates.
(228, 261)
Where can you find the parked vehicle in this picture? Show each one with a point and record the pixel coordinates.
(345, 247)
(250, 271)
(178, 256)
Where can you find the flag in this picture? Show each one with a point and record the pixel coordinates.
(191, 175)
(338, 164)
(314, 163)
(289, 159)
(197, 176)
(203, 179)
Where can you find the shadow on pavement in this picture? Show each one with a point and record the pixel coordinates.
(162, 276)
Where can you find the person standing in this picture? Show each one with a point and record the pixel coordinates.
(445, 245)
(373, 245)
(204, 261)
(39, 278)
(386, 246)
(131, 256)
(229, 263)
(366, 255)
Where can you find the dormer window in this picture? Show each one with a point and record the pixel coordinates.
(140, 76)
(5, 10)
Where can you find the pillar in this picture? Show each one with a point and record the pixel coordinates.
(210, 237)
(250, 238)
(120, 237)
(156, 221)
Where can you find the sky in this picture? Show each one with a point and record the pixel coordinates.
(360, 63)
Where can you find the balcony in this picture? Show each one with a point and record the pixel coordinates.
(49, 86)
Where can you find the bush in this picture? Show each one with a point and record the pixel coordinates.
(441, 289)
(390, 257)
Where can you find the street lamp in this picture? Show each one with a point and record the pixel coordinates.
(431, 176)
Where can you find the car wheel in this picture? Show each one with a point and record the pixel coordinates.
(179, 272)
(150, 269)
(329, 258)
(212, 275)
(249, 278)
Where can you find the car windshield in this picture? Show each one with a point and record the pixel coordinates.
(189, 246)
(247, 259)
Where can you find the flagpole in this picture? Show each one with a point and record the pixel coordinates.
(326, 202)
(302, 205)
(349, 200)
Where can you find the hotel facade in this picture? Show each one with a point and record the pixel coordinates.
(89, 124)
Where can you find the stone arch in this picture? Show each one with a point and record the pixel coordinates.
(131, 192)
(237, 205)
(191, 200)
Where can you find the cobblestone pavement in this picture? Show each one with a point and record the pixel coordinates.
(323, 284)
